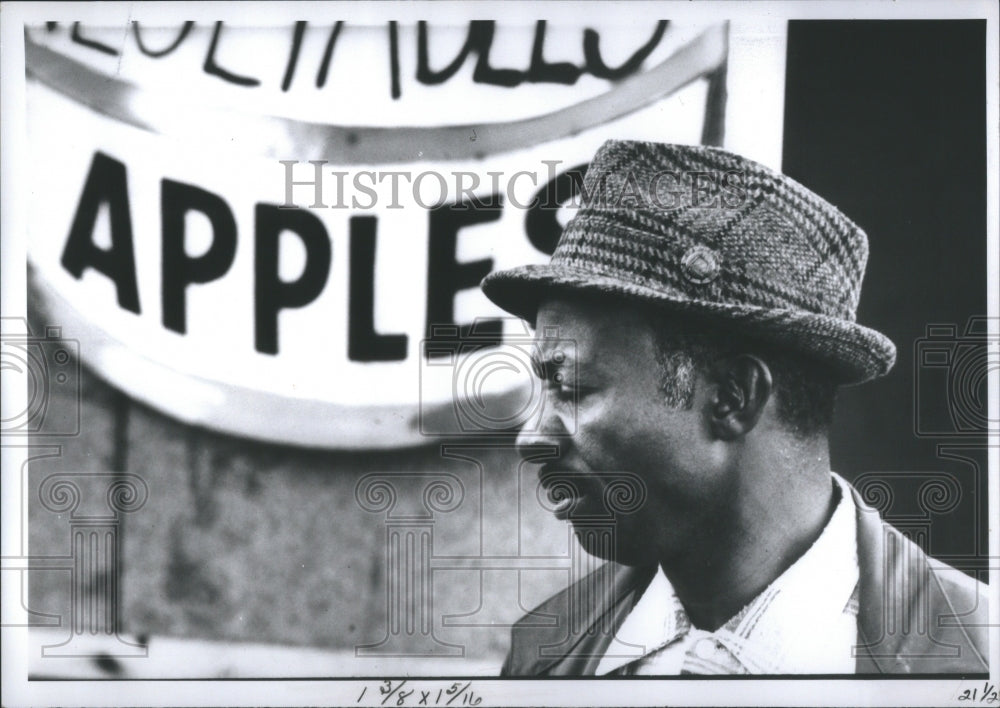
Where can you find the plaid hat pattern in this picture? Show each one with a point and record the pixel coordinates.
(703, 231)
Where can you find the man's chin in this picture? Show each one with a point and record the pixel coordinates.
(606, 542)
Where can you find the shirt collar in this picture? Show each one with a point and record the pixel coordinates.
(780, 629)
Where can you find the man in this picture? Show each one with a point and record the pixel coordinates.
(692, 327)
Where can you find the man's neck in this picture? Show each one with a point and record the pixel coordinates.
(776, 522)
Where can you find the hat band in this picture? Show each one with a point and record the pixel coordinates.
(683, 266)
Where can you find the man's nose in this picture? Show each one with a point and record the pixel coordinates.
(542, 432)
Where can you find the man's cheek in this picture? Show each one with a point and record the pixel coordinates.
(600, 448)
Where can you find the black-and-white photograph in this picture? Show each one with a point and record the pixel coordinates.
(444, 354)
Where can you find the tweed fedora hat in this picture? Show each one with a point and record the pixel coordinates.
(699, 230)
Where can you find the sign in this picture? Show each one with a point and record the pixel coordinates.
(279, 233)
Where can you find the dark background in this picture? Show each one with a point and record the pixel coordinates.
(887, 120)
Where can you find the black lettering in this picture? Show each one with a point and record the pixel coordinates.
(92, 43)
(211, 67)
(541, 71)
(179, 269)
(596, 66)
(478, 39)
(293, 58)
(484, 73)
(324, 66)
(363, 342)
(106, 183)
(445, 275)
(394, 58)
(271, 294)
(185, 29)
(428, 76)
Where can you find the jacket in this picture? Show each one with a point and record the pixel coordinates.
(912, 618)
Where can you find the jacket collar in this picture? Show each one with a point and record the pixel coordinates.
(871, 610)
(907, 622)
(587, 615)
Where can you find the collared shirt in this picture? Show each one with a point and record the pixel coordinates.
(803, 622)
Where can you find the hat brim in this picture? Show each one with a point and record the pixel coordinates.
(854, 353)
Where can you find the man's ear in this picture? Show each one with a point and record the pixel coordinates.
(743, 389)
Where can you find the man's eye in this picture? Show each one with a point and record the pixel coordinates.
(561, 387)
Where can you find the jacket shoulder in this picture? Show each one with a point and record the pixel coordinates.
(917, 615)
(964, 605)
(563, 634)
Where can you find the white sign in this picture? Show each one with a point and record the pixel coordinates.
(270, 223)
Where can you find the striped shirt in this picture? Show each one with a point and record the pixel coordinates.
(804, 622)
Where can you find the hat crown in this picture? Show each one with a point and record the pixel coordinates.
(703, 231)
(704, 224)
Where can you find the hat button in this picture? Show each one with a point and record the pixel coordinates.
(700, 264)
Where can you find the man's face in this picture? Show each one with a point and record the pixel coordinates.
(623, 425)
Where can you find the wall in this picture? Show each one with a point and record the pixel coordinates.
(254, 542)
